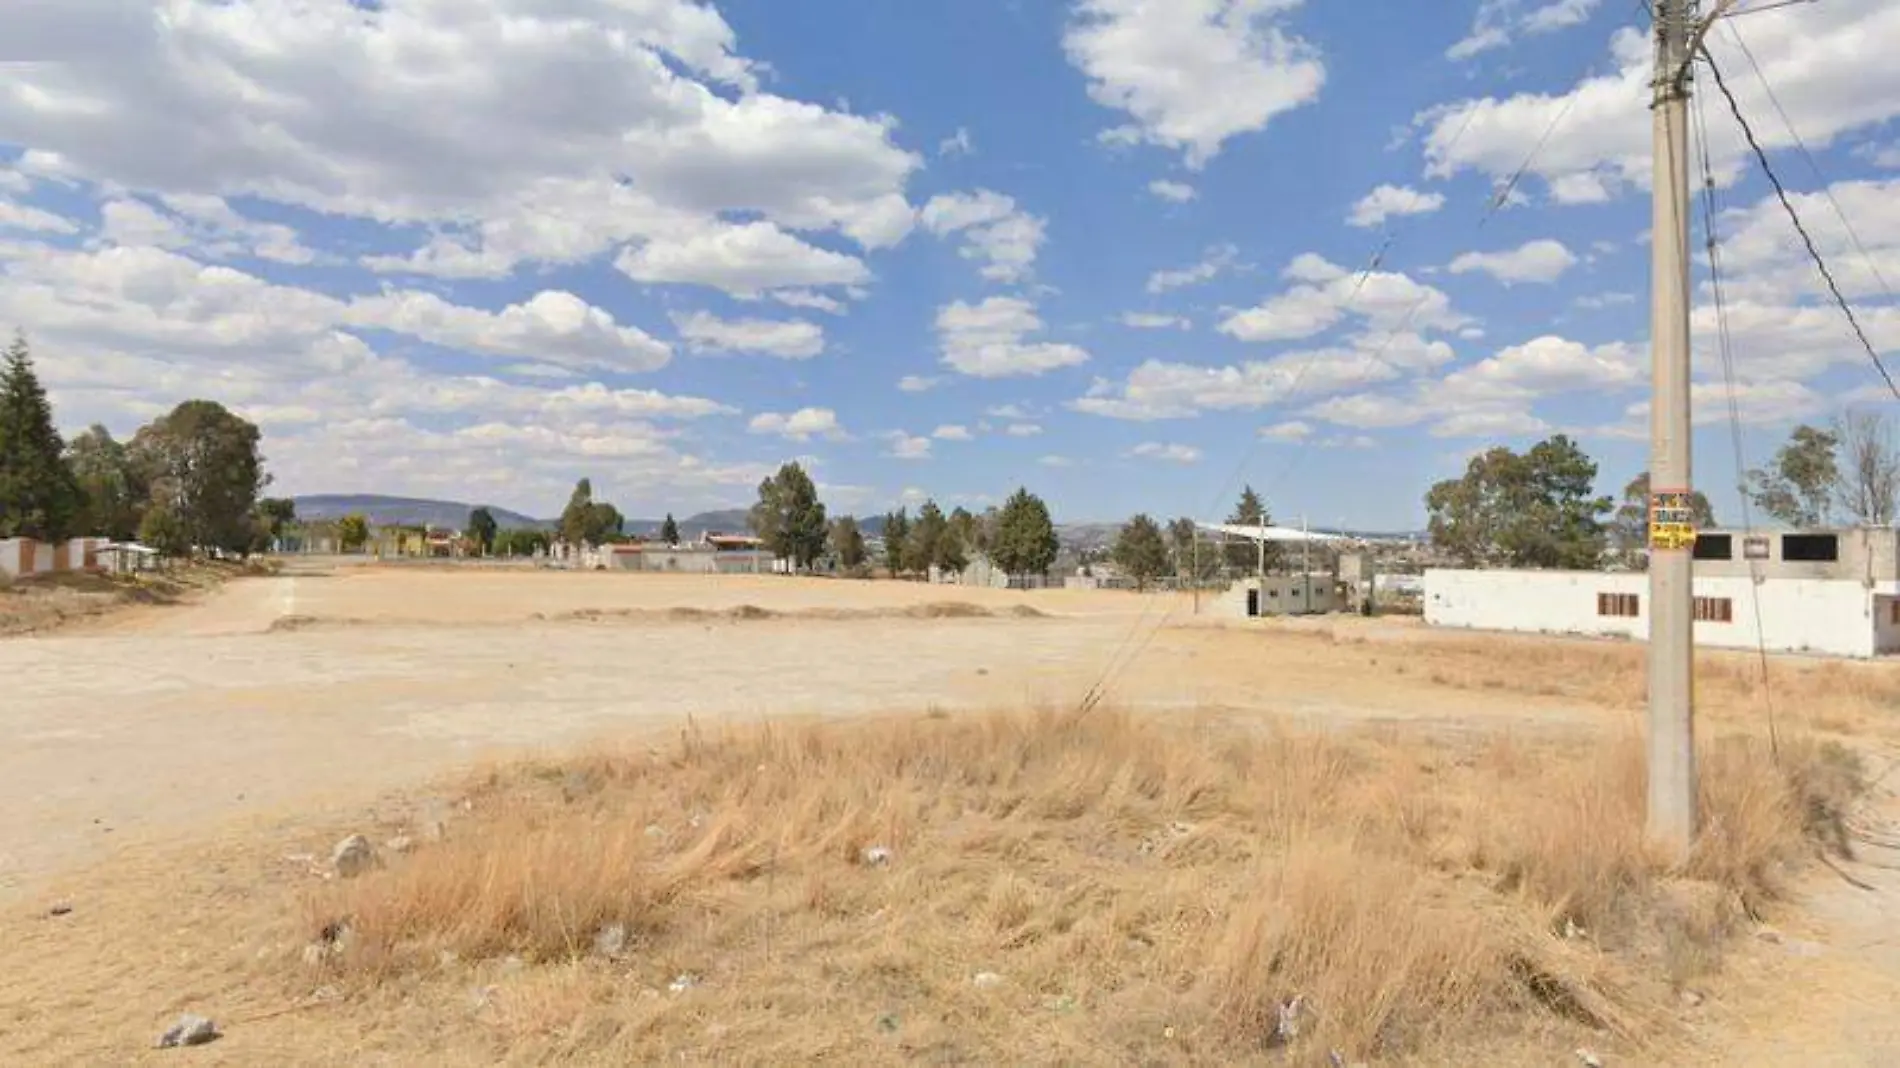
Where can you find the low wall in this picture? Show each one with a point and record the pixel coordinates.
(25, 556)
(1828, 616)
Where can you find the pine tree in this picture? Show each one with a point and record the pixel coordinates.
(1141, 552)
(39, 497)
(670, 531)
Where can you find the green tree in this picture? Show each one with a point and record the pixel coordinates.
(39, 497)
(271, 516)
(352, 532)
(896, 540)
(1629, 528)
(1532, 510)
(163, 528)
(112, 496)
(1796, 487)
(1192, 561)
(587, 521)
(483, 528)
(521, 542)
(1244, 557)
(669, 530)
(848, 542)
(203, 465)
(926, 538)
(966, 526)
(789, 517)
(1024, 541)
(1141, 552)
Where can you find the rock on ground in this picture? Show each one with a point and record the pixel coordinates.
(353, 856)
(188, 1030)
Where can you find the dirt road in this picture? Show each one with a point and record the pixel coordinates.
(162, 721)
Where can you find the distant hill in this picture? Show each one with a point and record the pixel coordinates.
(407, 511)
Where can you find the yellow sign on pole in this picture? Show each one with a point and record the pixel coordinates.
(1671, 521)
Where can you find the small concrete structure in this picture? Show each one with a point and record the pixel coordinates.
(979, 571)
(127, 558)
(1833, 592)
(1280, 595)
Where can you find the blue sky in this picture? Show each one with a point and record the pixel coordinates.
(1113, 250)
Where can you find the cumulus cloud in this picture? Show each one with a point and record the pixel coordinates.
(1388, 201)
(1326, 295)
(801, 425)
(995, 231)
(1174, 192)
(904, 446)
(1148, 321)
(994, 339)
(787, 339)
(1218, 259)
(1191, 74)
(1166, 452)
(744, 261)
(1542, 261)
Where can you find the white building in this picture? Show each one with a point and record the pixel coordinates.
(1830, 592)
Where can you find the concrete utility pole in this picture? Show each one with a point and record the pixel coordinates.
(1672, 777)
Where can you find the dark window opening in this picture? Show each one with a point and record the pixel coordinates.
(1624, 605)
(1811, 548)
(1714, 610)
(1253, 603)
(1715, 547)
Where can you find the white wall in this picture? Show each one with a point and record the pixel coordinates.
(1835, 617)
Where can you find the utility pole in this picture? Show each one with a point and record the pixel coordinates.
(1671, 742)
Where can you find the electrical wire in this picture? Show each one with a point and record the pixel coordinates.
(1726, 348)
(1794, 216)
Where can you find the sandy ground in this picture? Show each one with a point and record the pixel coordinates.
(291, 698)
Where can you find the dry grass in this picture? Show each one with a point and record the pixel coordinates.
(1828, 695)
(46, 602)
(1140, 893)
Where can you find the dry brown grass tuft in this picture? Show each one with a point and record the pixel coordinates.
(1139, 892)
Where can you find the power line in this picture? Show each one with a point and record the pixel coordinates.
(1814, 253)
(1827, 188)
(1726, 348)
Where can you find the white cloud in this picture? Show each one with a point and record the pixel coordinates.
(1218, 259)
(744, 261)
(1161, 390)
(1055, 461)
(804, 298)
(553, 327)
(787, 339)
(995, 231)
(1498, 20)
(20, 217)
(1294, 430)
(918, 383)
(801, 425)
(1193, 73)
(1599, 301)
(1328, 295)
(958, 144)
(952, 432)
(1388, 201)
(1023, 430)
(601, 121)
(1176, 192)
(1147, 321)
(991, 340)
(1540, 262)
(1166, 452)
(1007, 411)
(1817, 56)
(906, 447)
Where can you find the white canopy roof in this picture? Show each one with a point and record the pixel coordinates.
(1275, 534)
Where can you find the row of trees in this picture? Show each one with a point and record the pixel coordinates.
(1540, 509)
(189, 480)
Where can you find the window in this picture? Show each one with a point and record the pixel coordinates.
(1715, 547)
(1714, 610)
(1623, 605)
(1893, 611)
(1811, 548)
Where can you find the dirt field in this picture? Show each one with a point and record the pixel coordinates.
(240, 725)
